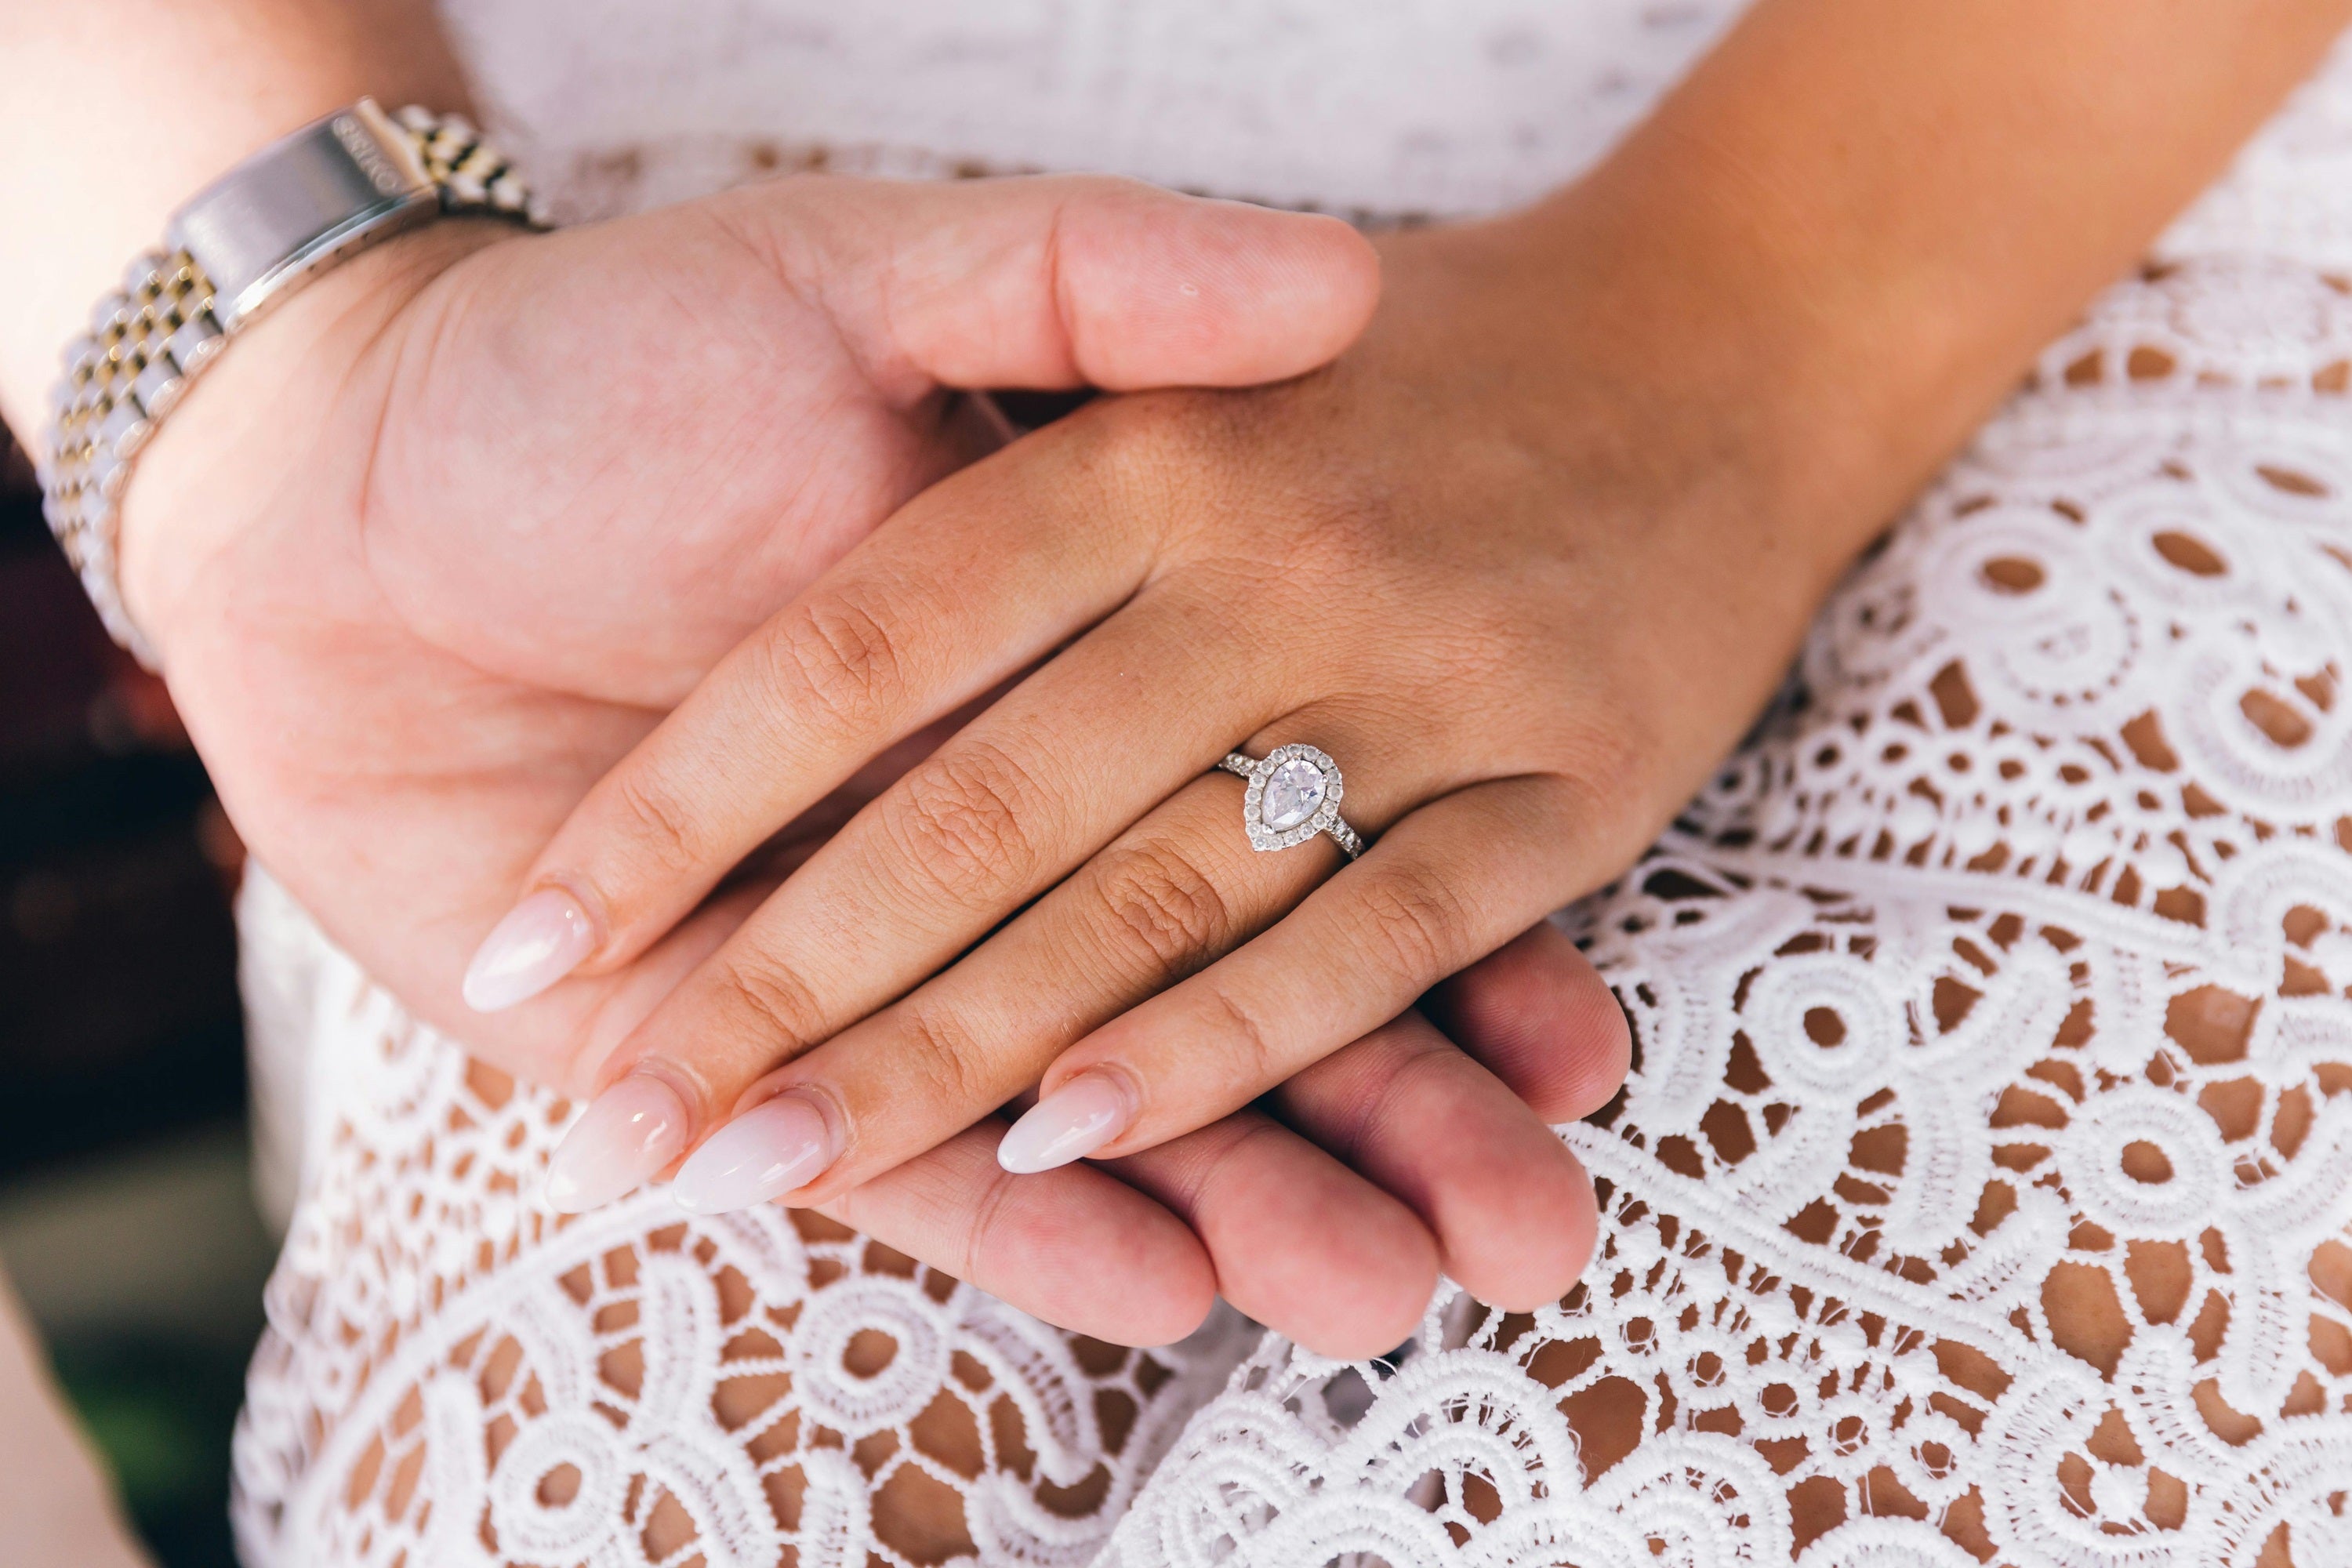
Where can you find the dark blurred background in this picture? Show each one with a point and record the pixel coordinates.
(126, 1212)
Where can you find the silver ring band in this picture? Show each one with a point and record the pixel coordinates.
(1293, 794)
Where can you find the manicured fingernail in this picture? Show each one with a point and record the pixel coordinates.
(627, 1134)
(1068, 1124)
(765, 1153)
(541, 939)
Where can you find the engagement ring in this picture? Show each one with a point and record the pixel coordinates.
(1293, 795)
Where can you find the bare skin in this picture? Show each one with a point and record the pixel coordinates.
(1679, 398)
(423, 559)
(57, 1501)
(1527, 559)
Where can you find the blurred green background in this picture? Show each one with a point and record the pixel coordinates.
(127, 1217)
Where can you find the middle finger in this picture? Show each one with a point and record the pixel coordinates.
(1172, 894)
(1001, 812)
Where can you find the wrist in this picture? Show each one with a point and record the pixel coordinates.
(1701, 339)
(190, 88)
(1678, 404)
(283, 386)
(1716, 371)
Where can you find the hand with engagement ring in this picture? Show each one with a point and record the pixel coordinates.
(381, 619)
(1474, 581)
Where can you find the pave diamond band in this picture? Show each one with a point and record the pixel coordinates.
(1293, 795)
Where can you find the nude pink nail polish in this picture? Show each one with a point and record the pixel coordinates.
(768, 1151)
(627, 1134)
(1068, 1124)
(541, 941)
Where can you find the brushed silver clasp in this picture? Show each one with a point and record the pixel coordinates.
(309, 197)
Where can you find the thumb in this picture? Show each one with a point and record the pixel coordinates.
(1068, 280)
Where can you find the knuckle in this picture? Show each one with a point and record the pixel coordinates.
(659, 821)
(1491, 643)
(992, 1212)
(1413, 1073)
(1388, 1068)
(1351, 535)
(1168, 431)
(1161, 902)
(945, 1056)
(1415, 923)
(960, 821)
(1226, 1173)
(773, 1000)
(1596, 765)
(1254, 1060)
(839, 650)
(1146, 454)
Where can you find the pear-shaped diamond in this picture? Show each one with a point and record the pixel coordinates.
(1294, 792)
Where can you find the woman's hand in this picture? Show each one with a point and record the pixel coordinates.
(436, 543)
(1525, 601)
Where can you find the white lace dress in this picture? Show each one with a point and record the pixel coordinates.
(1980, 1192)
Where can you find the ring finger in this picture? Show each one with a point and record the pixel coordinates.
(1170, 894)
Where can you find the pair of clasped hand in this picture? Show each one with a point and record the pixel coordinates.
(637, 650)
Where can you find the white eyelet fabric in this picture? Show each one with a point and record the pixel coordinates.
(1980, 1192)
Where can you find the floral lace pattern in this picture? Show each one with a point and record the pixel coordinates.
(453, 1376)
(1981, 1191)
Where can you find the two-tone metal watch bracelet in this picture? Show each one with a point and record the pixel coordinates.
(279, 218)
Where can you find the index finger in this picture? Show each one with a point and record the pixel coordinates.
(968, 584)
(1051, 282)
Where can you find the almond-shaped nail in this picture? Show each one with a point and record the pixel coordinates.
(541, 939)
(1068, 1124)
(627, 1134)
(770, 1150)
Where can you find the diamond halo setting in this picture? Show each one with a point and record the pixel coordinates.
(1293, 794)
